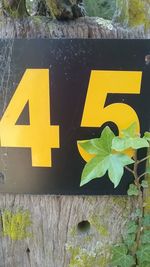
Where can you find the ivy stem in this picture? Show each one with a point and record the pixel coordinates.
(143, 174)
(138, 234)
(141, 160)
(136, 180)
(130, 170)
(140, 203)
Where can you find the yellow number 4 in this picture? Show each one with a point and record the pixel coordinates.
(40, 135)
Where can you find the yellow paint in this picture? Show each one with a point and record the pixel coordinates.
(101, 84)
(15, 225)
(40, 135)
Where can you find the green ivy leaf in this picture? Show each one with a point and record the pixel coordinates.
(143, 265)
(143, 254)
(123, 143)
(95, 168)
(131, 131)
(138, 213)
(131, 227)
(138, 142)
(99, 165)
(144, 184)
(145, 238)
(129, 139)
(146, 220)
(133, 191)
(116, 167)
(104, 160)
(129, 240)
(148, 170)
(90, 146)
(120, 257)
(106, 139)
(99, 146)
(147, 136)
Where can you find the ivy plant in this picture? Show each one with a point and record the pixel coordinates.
(110, 154)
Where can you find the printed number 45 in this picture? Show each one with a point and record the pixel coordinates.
(40, 135)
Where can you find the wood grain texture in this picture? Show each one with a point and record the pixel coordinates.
(55, 223)
(55, 219)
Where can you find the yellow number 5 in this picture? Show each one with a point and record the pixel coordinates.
(40, 135)
(101, 84)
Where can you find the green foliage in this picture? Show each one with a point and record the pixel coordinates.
(144, 183)
(133, 244)
(101, 145)
(133, 191)
(131, 131)
(129, 139)
(140, 251)
(132, 13)
(146, 220)
(15, 9)
(129, 240)
(145, 238)
(132, 227)
(138, 213)
(148, 170)
(100, 8)
(121, 144)
(143, 254)
(104, 159)
(147, 135)
(121, 258)
(110, 155)
(144, 265)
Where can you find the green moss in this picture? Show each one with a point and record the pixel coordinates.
(81, 257)
(101, 229)
(137, 14)
(88, 238)
(73, 231)
(87, 252)
(15, 9)
(15, 225)
(147, 206)
(121, 14)
(133, 13)
(120, 201)
(147, 194)
(54, 9)
(147, 190)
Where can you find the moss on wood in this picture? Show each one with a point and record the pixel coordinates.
(15, 8)
(15, 225)
(133, 13)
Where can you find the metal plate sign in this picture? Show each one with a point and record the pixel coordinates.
(56, 92)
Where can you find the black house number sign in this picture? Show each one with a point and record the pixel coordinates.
(62, 91)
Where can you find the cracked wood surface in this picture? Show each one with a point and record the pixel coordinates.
(55, 218)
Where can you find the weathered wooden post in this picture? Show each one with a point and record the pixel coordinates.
(50, 230)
